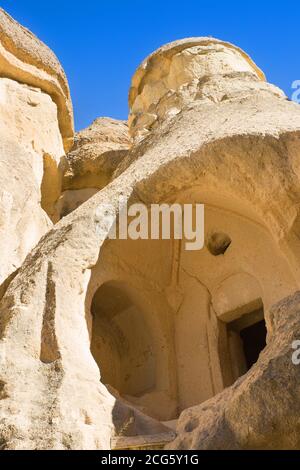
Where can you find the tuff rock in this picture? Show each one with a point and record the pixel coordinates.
(139, 343)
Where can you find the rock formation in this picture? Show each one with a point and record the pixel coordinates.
(90, 165)
(36, 129)
(117, 342)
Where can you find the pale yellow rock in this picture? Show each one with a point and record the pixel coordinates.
(96, 153)
(24, 58)
(29, 138)
(90, 165)
(261, 410)
(182, 72)
(97, 336)
(36, 123)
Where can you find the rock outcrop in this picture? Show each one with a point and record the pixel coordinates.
(24, 58)
(36, 120)
(188, 70)
(103, 341)
(92, 162)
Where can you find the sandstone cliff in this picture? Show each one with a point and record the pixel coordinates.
(111, 343)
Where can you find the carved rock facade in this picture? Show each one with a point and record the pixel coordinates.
(128, 343)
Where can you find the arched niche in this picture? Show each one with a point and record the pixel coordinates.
(121, 342)
(191, 304)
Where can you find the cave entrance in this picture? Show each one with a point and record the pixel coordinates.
(121, 342)
(247, 339)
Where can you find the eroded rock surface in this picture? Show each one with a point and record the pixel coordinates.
(260, 411)
(184, 71)
(90, 165)
(103, 340)
(36, 128)
(24, 58)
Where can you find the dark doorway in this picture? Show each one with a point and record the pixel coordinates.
(246, 338)
(254, 341)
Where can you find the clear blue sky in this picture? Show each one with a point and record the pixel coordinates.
(101, 42)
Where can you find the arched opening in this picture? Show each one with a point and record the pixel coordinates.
(121, 342)
(183, 325)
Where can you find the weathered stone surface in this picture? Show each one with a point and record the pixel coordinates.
(24, 58)
(29, 140)
(101, 339)
(90, 165)
(36, 120)
(96, 153)
(261, 410)
(184, 71)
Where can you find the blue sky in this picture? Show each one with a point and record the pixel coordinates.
(100, 43)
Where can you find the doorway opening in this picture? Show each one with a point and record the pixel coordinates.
(246, 340)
